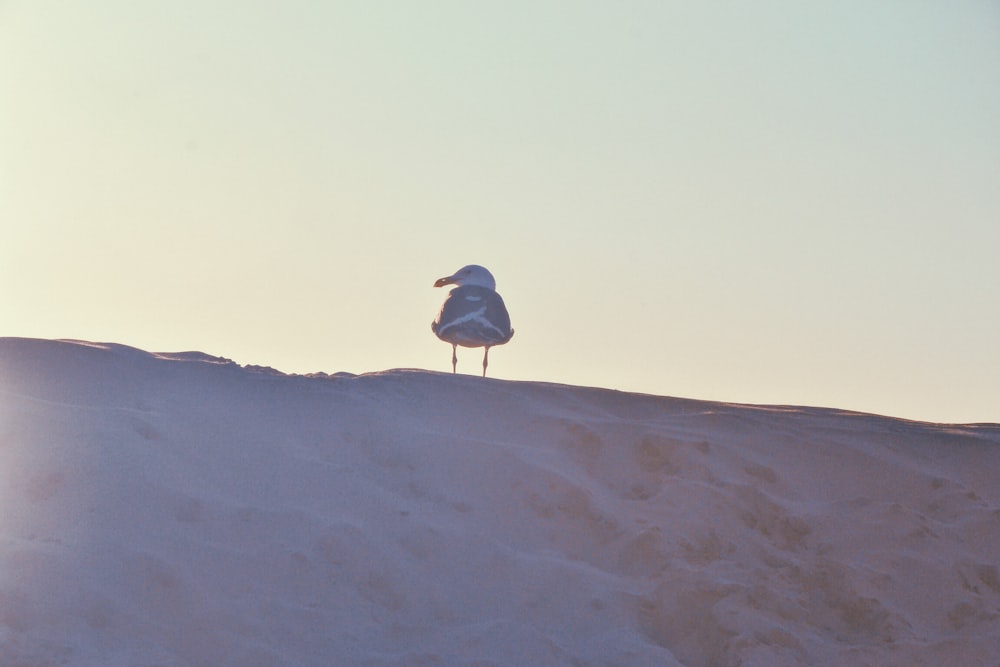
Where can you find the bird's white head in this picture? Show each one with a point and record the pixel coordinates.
(473, 274)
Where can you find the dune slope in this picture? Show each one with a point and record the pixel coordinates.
(177, 510)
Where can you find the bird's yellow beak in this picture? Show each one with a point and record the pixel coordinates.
(441, 282)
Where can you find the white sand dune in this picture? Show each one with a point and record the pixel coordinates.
(181, 510)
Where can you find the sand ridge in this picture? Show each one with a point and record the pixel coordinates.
(181, 510)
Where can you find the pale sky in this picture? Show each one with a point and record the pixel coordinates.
(760, 202)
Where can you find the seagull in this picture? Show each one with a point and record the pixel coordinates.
(473, 315)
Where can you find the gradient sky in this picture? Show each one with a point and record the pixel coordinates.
(766, 202)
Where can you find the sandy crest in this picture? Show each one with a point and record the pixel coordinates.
(176, 510)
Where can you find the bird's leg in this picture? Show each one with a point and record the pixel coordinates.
(454, 357)
(486, 355)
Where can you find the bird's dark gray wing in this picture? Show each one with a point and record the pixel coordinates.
(473, 316)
